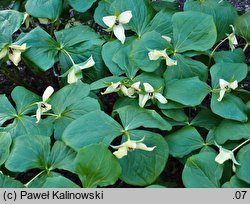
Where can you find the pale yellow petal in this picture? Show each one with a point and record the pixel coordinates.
(156, 54)
(170, 62)
(114, 87)
(47, 93)
(119, 32)
(223, 83)
(43, 20)
(3, 53)
(148, 88)
(15, 57)
(125, 17)
(45, 107)
(143, 99)
(160, 98)
(89, 63)
(166, 38)
(144, 147)
(71, 77)
(121, 152)
(136, 86)
(38, 113)
(222, 93)
(233, 85)
(109, 21)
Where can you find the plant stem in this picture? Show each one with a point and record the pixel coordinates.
(240, 145)
(72, 61)
(246, 46)
(52, 27)
(27, 184)
(217, 46)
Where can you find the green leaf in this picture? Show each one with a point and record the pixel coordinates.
(59, 182)
(179, 91)
(141, 48)
(122, 59)
(231, 107)
(223, 13)
(142, 12)
(162, 23)
(231, 130)
(206, 119)
(186, 68)
(133, 117)
(5, 143)
(91, 128)
(228, 72)
(41, 179)
(108, 51)
(96, 166)
(235, 56)
(156, 186)
(23, 98)
(193, 31)
(42, 48)
(81, 6)
(102, 10)
(176, 114)
(61, 157)
(141, 168)
(34, 155)
(184, 141)
(156, 81)
(242, 170)
(201, 171)
(235, 182)
(50, 9)
(70, 103)
(26, 125)
(242, 26)
(8, 182)
(7, 111)
(10, 22)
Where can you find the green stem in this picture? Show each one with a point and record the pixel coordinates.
(240, 145)
(72, 61)
(27, 184)
(212, 54)
(52, 27)
(246, 46)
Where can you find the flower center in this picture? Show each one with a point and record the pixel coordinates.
(151, 94)
(117, 22)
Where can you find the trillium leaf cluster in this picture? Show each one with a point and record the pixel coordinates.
(119, 91)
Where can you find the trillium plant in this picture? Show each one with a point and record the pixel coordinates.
(114, 93)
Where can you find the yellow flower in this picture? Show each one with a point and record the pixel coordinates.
(43, 106)
(14, 52)
(116, 24)
(130, 145)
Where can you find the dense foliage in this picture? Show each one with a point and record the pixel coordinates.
(129, 87)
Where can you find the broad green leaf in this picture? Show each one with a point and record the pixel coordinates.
(133, 117)
(193, 31)
(96, 166)
(179, 91)
(10, 22)
(184, 141)
(81, 6)
(5, 142)
(23, 98)
(231, 130)
(122, 59)
(201, 171)
(41, 179)
(235, 182)
(224, 13)
(91, 128)
(141, 48)
(231, 107)
(102, 10)
(186, 68)
(80, 42)
(206, 119)
(8, 182)
(7, 111)
(142, 12)
(235, 56)
(141, 168)
(176, 114)
(242, 170)
(42, 48)
(228, 72)
(156, 186)
(70, 103)
(156, 81)
(162, 23)
(108, 51)
(61, 157)
(59, 182)
(29, 152)
(242, 26)
(26, 125)
(50, 9)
